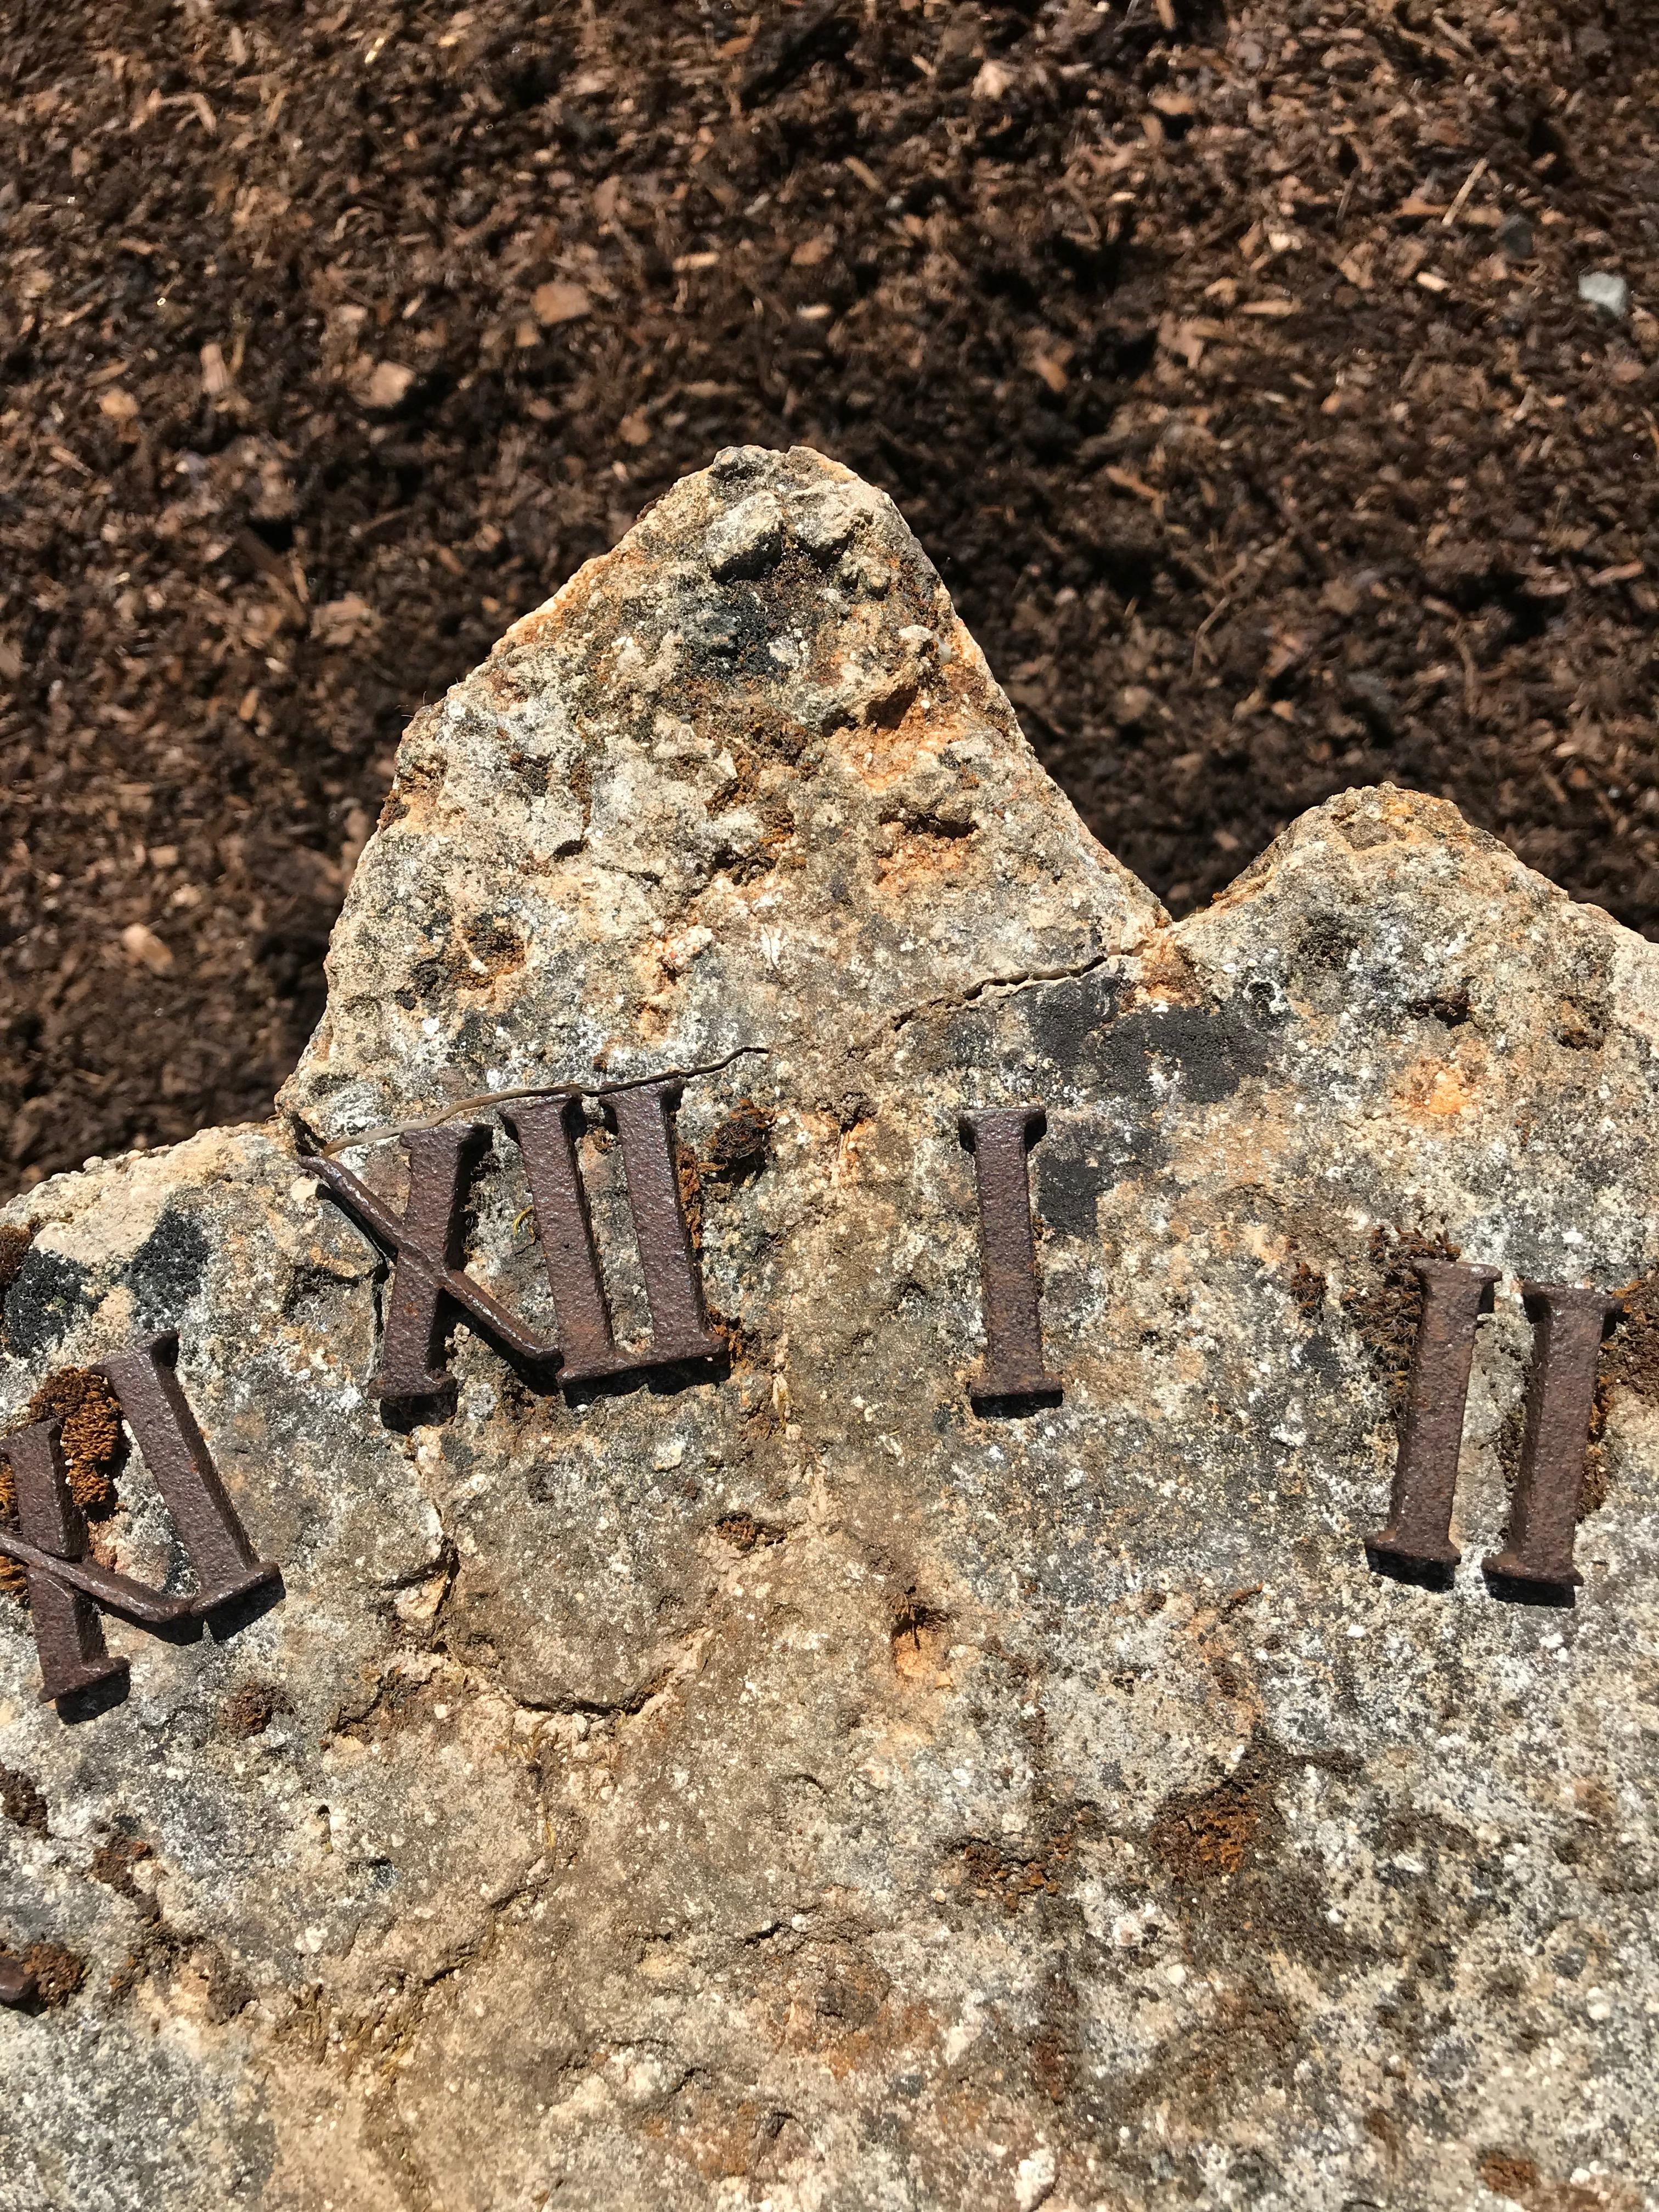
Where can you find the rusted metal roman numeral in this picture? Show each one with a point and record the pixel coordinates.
(547, 1135)
(67, 1592)
(1000, 1139)
(1567, 1328)
(1568, 1325)
(1419, 1531)
(426, 1242)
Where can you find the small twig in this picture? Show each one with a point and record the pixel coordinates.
(1471, 681)
(1450, 31)
(1464, 192)
(1205, 626)
(529, 1090)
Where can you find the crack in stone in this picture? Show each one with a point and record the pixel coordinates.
(481, 1098)
(999, 983)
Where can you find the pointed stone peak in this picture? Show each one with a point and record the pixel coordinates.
(745, 776)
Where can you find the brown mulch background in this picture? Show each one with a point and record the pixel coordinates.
(1230, 363)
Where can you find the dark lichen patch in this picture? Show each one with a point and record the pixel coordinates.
(740, 1147)
(1251, 2042)
(1308, 1288)
(44, 1301)
(1011, 1877)
(1209, 1051)
(1581, 1024)
(168, 1269)
(746, 1534)
(113, 1863)
(1214, 1833)
(250, 1711)
(159, 1946)
(57, 1973)
(1386, 1308)
(21, 1801)
(15, 1238)
(1325, 945)
(1449, 1005)
(1066, 1017)
(487, 947)
(1150, 1052)
(229, 1992)
(852, 1994)
(532, 770)
(1069, 1186)
(93, 1442)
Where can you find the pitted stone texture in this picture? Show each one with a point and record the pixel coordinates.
(788, 1786)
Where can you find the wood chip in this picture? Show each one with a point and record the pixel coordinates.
(144, 948)
(563, 302)
(388, 384)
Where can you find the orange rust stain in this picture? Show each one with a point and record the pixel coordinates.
(900, 730)
(1167, 977)
(1437, 1088)
(879, 756)
(920, 1654)
(910, 2031)
(922, 854)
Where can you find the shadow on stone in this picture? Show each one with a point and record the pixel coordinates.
(98, 1698)
(1017, 1405)
(1511, 1590)
(239, 1612)
(1416, 1574)
(664, 1381)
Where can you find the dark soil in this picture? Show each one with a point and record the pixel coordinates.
(1230, 364)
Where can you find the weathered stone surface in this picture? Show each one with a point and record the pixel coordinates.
(786, 1784)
